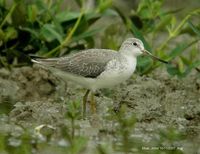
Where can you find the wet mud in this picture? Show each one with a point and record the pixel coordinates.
(33, 96)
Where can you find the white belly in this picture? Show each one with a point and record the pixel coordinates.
(111, 80)
(115, 74)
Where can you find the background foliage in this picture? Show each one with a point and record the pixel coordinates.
(52, 28)
(45, 28)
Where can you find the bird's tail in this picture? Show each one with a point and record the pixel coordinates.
(46, 62)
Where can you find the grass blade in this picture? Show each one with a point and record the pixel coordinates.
(179, 49)
(87, 34)
(195, 29)
(49, 32)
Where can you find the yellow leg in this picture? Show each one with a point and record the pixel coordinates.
(84, 102)
(93, 103)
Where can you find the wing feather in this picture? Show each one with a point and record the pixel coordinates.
(90, 63)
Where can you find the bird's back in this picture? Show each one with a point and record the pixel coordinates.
(89, 63)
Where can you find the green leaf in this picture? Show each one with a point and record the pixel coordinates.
(91, 17)
(41, 5)
(181, 66)
(32, 31)
(79, 143)
(87, 34)
(2, 35)
(179, 49)
(193, 53)
(172, 11)
(104, 4)
(10, 33)
(173, 70)
(19, 14)
(192, 66)
(144, 64)
(195, 29)
(67, 16)
(110, 12)
(164, 21)
(185, 60)
(70, 18)
(50, 33)
(32, 13)
(148, 9)
(83, 26)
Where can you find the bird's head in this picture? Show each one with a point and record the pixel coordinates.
(135, 47)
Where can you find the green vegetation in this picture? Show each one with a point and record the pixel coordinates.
(152, 20)
(72, 142)
(45, 28)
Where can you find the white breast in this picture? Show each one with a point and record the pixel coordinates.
(115, 73)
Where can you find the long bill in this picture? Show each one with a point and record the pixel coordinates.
(154, 57)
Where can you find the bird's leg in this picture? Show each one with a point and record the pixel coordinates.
(93, 103)
(85, 101)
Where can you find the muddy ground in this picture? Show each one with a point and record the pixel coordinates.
(32, 96)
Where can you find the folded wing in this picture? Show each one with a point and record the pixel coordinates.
(90, 63)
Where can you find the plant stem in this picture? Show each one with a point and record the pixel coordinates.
(158, 64)
(9, 14)
(73, 128)
(68, 37)
(177, 29)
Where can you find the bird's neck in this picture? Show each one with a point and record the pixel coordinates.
(131, 60)
(128, 55)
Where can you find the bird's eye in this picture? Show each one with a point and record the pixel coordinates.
(134, 43)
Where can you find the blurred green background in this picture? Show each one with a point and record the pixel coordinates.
(169, 29)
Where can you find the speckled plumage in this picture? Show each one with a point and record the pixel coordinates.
(97, 68)
(89, 63)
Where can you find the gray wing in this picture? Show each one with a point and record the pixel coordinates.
(90, 63)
